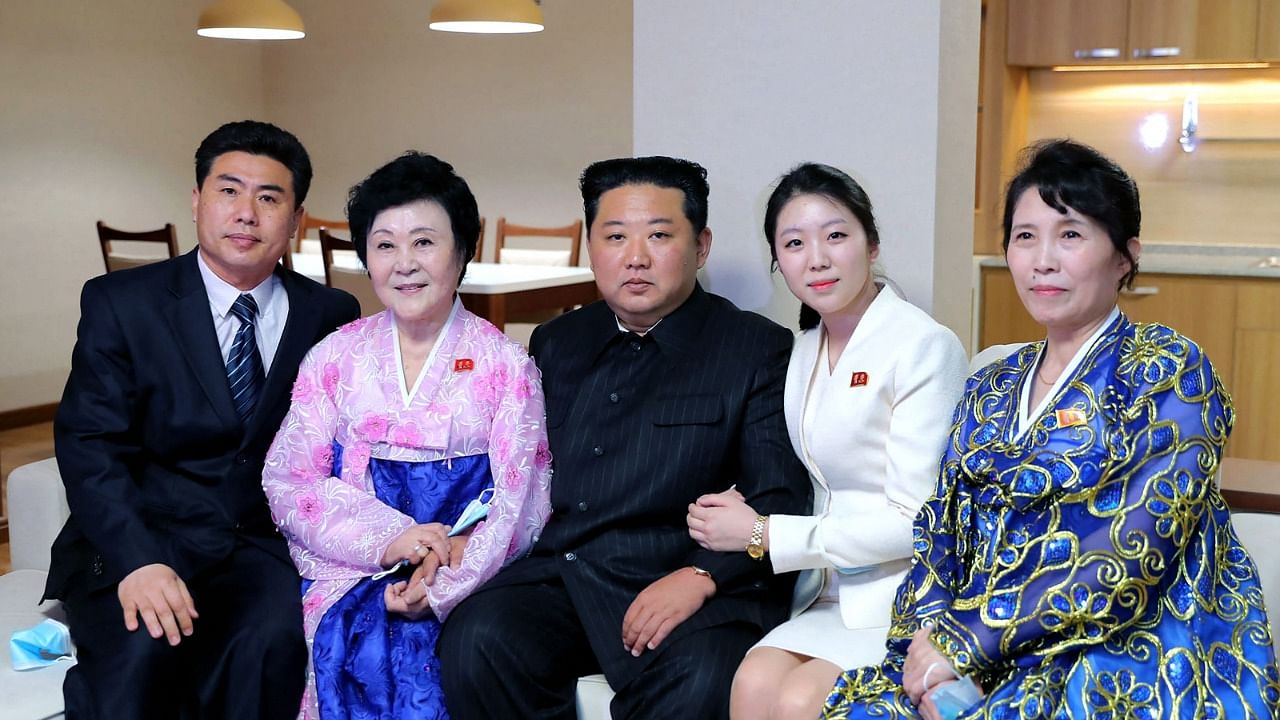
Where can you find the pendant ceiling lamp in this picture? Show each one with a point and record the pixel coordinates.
(486, 16)
(251, 20)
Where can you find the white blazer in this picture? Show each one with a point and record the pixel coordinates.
(873, 444)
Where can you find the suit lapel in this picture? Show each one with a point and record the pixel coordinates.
(191, 321)
(301, 330)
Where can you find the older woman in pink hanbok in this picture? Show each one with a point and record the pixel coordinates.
(399, 422)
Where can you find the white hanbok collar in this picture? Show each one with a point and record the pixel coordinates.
(1025, 414)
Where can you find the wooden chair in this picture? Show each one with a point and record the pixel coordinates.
(114, 262)
(571, 232)
(311, 222)
(353, 281)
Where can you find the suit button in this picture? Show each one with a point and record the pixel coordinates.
(635, 346)
(582, 506)
(597, 451)
(613, 397)
(570, 556)
(241, 459)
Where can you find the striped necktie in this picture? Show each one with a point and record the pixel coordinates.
(244, 363)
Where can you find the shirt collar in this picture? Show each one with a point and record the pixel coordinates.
(222, 294)
(678, 330)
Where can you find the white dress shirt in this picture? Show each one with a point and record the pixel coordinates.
(273, 311)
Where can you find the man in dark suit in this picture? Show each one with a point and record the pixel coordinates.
(181, 596)
(657, 394)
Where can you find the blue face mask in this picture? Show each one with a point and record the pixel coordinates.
(40, 646)
(954, 698)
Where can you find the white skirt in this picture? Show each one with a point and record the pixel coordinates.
(820, 632)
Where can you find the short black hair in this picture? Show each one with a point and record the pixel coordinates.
(686, 176)
(1073, 175)
(412, 177)
(257, 138)
(831, 183)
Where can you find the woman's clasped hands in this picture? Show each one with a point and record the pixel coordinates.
(429, 547)
(925, 670)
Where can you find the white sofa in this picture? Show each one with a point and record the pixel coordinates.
(37, 509)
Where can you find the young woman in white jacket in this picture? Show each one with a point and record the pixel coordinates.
(871, 388)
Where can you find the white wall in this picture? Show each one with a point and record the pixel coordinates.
(104, 105)
(106, 102)
(885, 91)
(518, 116)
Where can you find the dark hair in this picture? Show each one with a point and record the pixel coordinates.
(1072, 175)
(686, 176)
(412, 177)
(831, 183)
(257, 138)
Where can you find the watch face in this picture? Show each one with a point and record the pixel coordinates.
(755, 551)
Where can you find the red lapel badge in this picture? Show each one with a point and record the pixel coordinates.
(464, 365)
(858, 380)
(1070, 417)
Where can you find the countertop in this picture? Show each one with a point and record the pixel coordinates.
(1252, 485)
(1224, 260)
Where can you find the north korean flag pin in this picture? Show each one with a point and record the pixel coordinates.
(464, 365)
(858, 380)
(1070, 417)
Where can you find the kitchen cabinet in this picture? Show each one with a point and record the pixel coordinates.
(1269, 30)
(1181, 31)
(1257, 371)
(1067, 32)
(1083, 32)
(1235, 321)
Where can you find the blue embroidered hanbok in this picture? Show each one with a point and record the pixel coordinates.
(1086, 567)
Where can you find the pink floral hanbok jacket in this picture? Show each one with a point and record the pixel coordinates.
(480, 393)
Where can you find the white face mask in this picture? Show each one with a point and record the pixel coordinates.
(40, 646)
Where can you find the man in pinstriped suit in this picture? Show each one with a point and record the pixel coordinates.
(657, 394)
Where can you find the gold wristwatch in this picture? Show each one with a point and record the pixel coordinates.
(755, 546)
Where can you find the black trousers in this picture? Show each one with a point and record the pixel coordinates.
(246, 658)
(517, 651)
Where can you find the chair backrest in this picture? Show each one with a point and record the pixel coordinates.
(571, 232)
(328, 244)
(311, 222)
(353, 281)
(37, 507)
(113, 262)
(989, 355)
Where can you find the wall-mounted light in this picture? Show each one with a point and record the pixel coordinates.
(486, 16)
(1154, 131)
(251, 20)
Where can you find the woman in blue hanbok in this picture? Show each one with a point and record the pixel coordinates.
(1076, 559)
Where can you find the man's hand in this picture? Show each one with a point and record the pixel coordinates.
(662, 606)
(410, 598)
(157, 595)
(921, 654)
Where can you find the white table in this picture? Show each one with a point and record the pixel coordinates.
(492, 290)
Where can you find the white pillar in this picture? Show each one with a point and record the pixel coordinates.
(886, 91)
